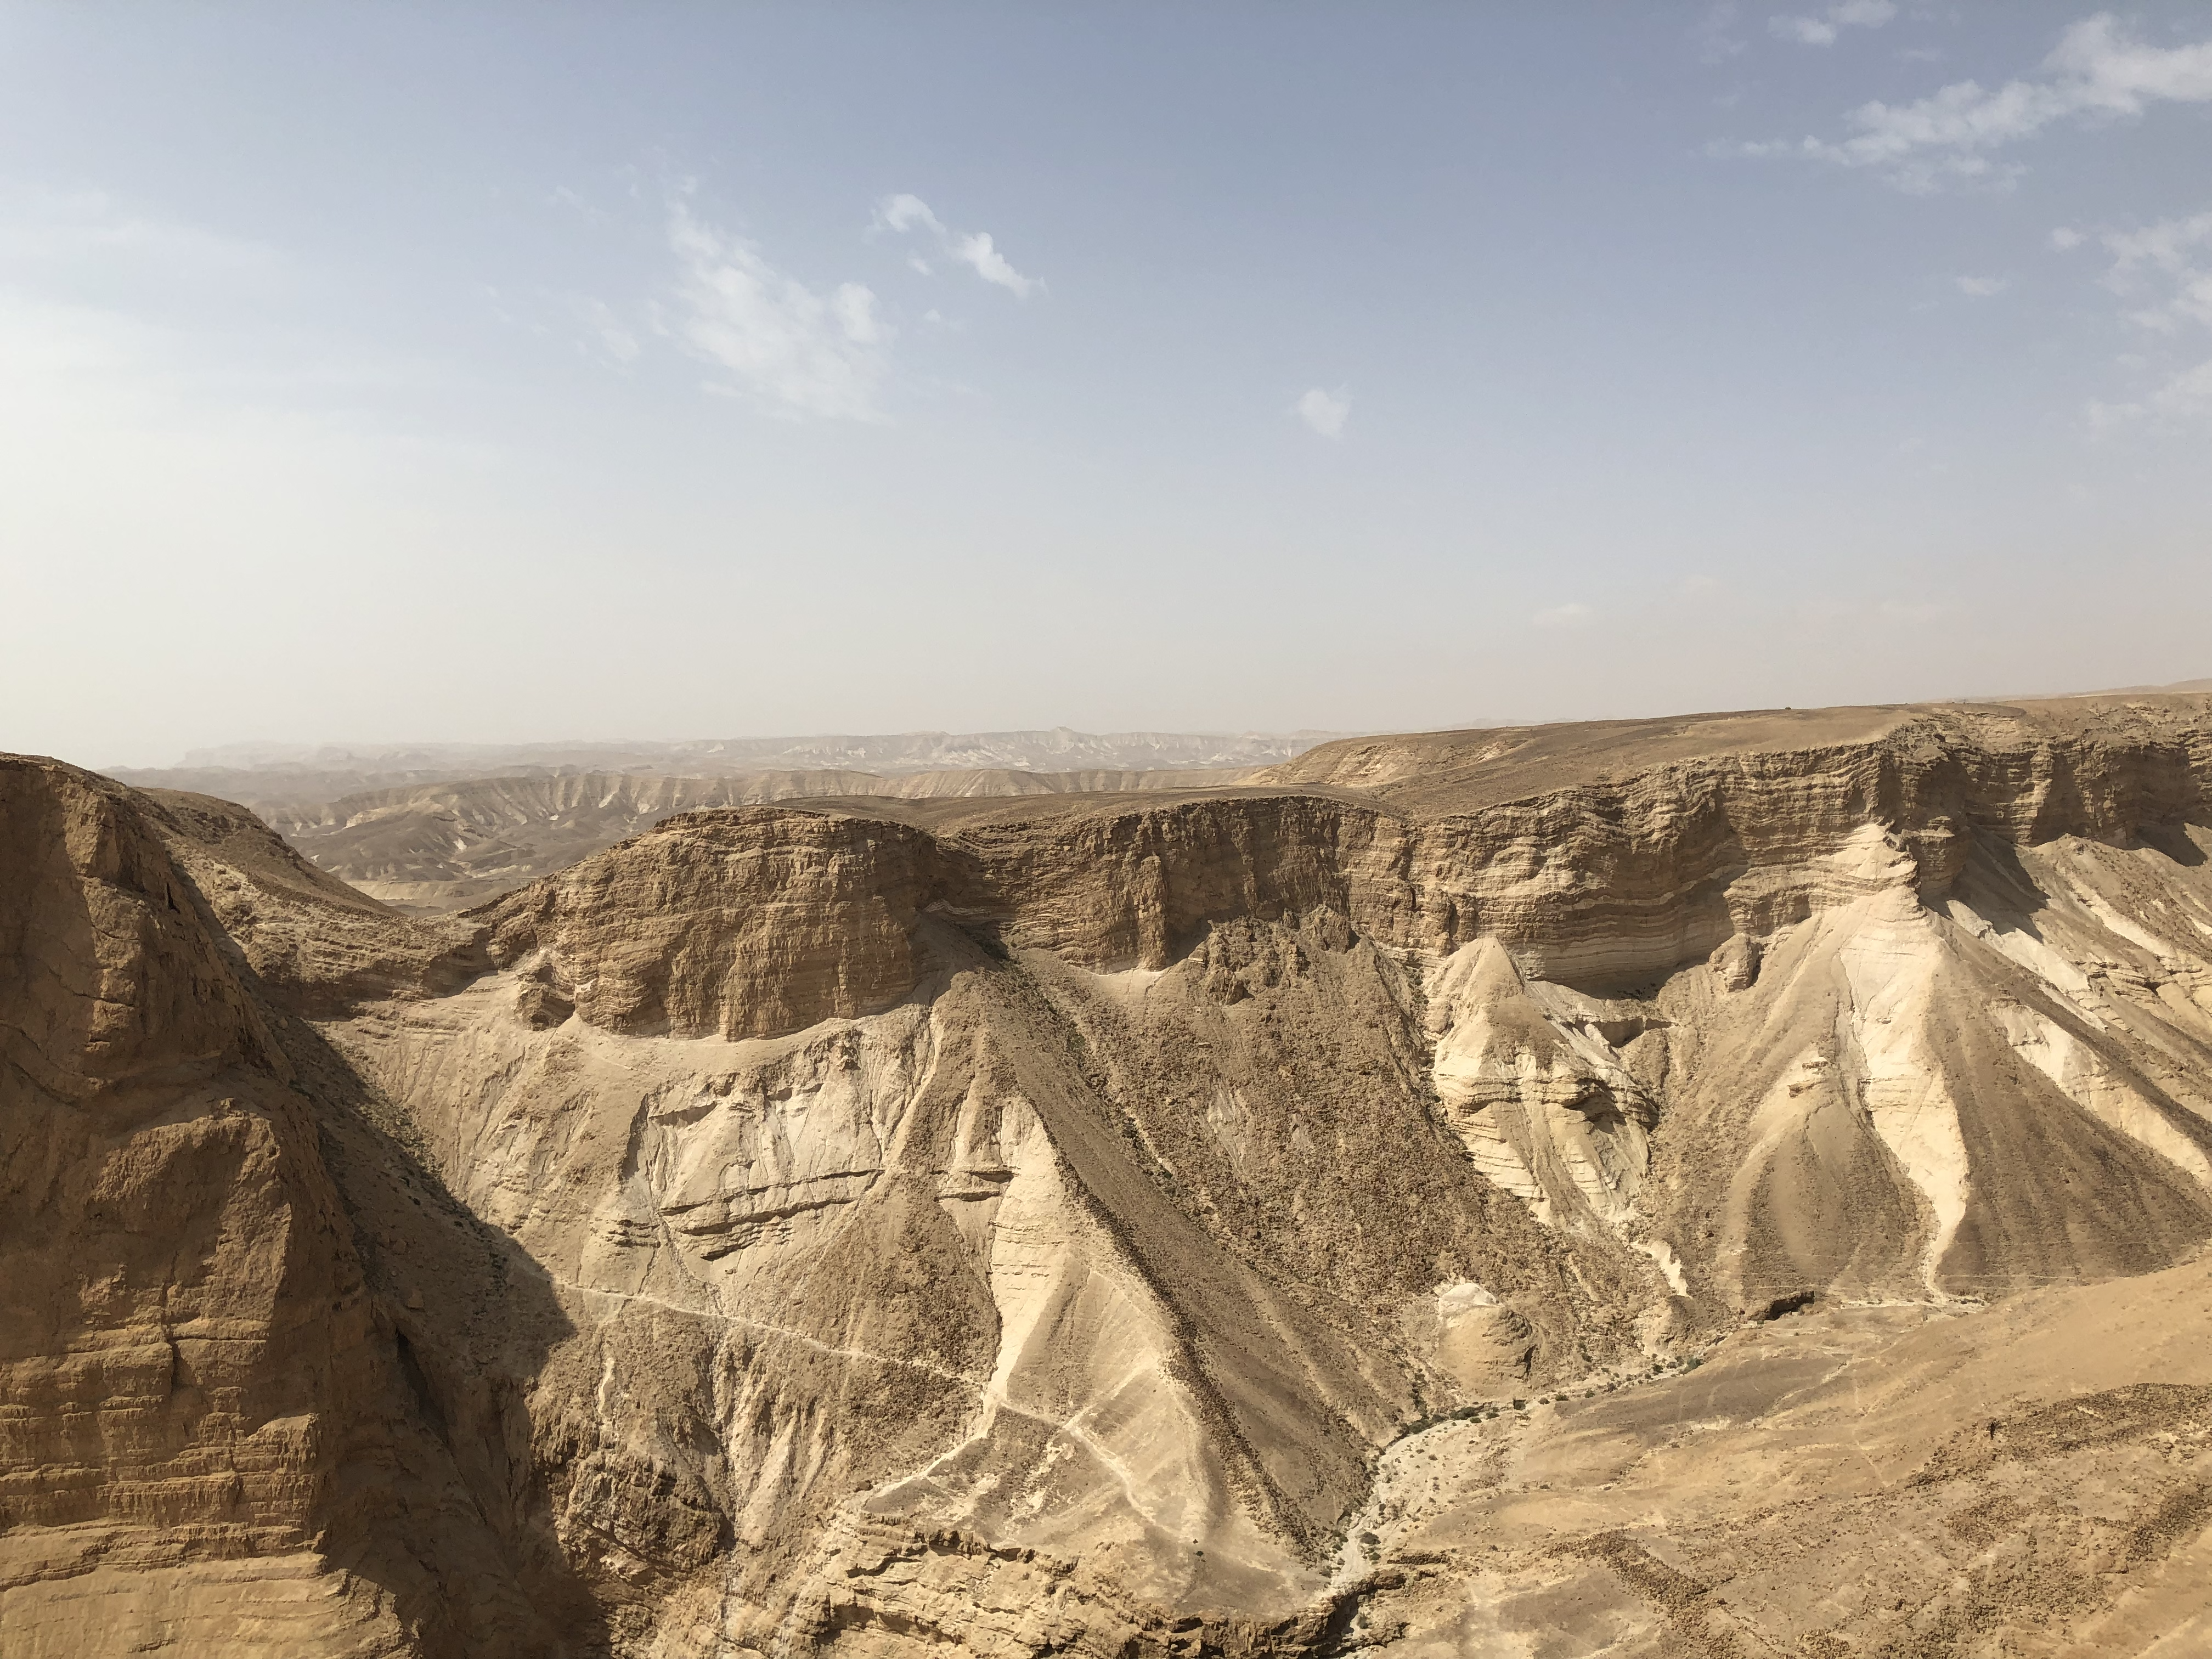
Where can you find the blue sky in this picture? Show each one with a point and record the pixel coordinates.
(481, 373)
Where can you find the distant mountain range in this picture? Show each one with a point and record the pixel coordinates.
(266, 775)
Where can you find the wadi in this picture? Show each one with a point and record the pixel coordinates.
(1734, 1185)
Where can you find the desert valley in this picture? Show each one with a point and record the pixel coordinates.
(1736, 1185)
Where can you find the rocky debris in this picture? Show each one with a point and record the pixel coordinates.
(1858, 1480)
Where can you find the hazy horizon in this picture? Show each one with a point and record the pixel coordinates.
(251, 753)
(273, 753)
(497, 372)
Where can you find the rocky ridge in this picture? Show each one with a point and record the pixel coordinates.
(433, 848)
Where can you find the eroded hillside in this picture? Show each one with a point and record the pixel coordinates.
(1723, 1186)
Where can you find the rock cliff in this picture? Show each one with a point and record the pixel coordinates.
(1137, 1225)
(441, 846)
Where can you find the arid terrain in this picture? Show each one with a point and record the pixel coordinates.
(444, 845)
(294, 777)
(1727, 1186)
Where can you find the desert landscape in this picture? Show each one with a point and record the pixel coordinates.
(1732, 1185)
(987, 830)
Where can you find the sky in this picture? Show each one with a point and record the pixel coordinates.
(536, 371)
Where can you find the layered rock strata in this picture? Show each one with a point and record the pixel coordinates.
(433, 848)
(1041, 1229)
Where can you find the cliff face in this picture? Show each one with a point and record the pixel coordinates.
(173, 1312)
(440, 846)
(1026, 1226)
(209, 1441)
(745, 923)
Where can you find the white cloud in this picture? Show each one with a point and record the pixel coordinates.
(608, 333)
(1323, 411)
(903, 212)
(991, 265)
(2169, 262)
(1716, 42)
(2179, 398)
(2163, 273)
(1822, 31)
(597, 329)
(237, 320)
(974, 249)
(1805, 31)
(798, 352)
(2166, 246)
(2066, 238)
(71, 234)
(2189, 393)
(1574, 614)
(1980, 288)
(2098, 71)
(855, 309)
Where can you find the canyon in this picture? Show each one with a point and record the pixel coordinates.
(1731, 1185)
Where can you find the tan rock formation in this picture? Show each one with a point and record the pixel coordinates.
(433, 848)
(209, 1437)
(1124, 1225)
